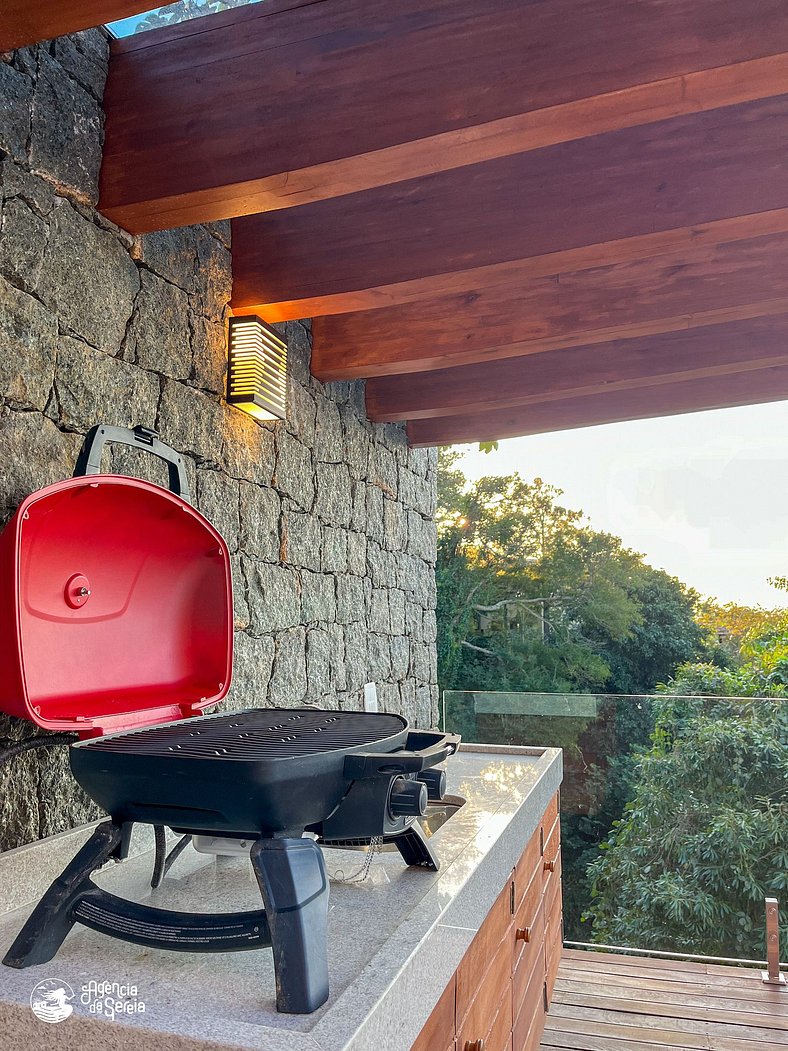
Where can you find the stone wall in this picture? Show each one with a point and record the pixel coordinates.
(328, 517)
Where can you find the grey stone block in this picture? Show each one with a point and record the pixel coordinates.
(274, 597)
(242, 613)
(334, 552)
(375, 523)
(397, 611)
(383, 470)
(172, 254)
(333, 501)
(318, 598)
(158, 337)
(336, 635)
(248, 447)
(35, 454)
(28, 337)
(378, 656)
(16, 91)
(328, 432)
(218, 497)
(191, 421)
(208, 354)
(19, 818)
(395, 531)
(400, 657)
(252, 663)
(379, 619)
(92, 388)
(215, 276)
(318, 663)
(301, 413)
(356, 657)
(302, 539)
(66, 133)
(88, 278)
(422, 537)
(85, 57)
(23, 243)
(357, 443)
(260, 509)
(288, 684)
(357, 554)
(350, 600)
(294, 475)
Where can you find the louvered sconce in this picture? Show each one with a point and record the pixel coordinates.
(257, 369)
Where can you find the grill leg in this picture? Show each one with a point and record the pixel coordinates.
(52, 919)
(293, 882)
(415, 849)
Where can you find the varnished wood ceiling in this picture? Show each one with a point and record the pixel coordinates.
(509, 217)
(24, 22)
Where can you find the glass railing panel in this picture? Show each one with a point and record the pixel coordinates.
(172, 14)
(674, 811)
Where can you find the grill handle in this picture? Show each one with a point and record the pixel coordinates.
(423, 750)
(89, 460)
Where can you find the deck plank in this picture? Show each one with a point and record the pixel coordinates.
(611, 1002)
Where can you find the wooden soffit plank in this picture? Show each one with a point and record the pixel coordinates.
(670, 399)
(717, 350)
(696, 286)
(451, 231)
(24, 22)
(290, 103)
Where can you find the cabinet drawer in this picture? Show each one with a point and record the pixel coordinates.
(438, 1030)
(481, 1012)
(551, 813)
(529, 1015)
(501, 1030)
(529, 862)
(492, 933)
(523, 932)
(532, 959)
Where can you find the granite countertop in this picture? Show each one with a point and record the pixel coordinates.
(395, 937)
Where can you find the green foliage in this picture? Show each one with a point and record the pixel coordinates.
(531, 598)
(183, 10)
(705, 837)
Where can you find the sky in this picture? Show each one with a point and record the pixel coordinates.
(703, 496)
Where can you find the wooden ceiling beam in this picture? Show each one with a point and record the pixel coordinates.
(656, 183)
(24, 22)
(719, 350)
(696, 286)
(291, 103)
(670, 399)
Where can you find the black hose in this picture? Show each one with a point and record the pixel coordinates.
(176, 852)
(160, 855)
(36, 743)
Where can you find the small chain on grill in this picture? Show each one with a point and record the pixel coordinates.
(375, 846)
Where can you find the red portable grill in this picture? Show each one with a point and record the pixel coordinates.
(116, 624)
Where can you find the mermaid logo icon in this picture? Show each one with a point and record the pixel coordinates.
(50, 1000)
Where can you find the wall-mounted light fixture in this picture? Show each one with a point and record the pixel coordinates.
(257, 369)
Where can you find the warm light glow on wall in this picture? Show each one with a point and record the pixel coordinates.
(257, 369)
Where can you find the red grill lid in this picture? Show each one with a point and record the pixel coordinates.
(115, 607)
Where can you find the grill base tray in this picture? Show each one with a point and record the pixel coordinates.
(294, 886)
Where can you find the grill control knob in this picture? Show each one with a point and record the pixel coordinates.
(435, 780)
(408, 798)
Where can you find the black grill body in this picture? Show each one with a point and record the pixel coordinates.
(246, 774)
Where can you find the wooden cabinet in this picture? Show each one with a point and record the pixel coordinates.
(500, 993)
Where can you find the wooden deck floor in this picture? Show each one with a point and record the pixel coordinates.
(604, 1002)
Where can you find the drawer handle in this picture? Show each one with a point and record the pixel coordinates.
(549, 866)
(474, 1045)
(522, 934)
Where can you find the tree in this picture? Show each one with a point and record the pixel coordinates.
(183, 10)
(531, 598)
(705, 837)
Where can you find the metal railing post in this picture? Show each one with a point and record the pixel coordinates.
(772, 976)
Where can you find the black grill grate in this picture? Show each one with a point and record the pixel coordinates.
(258, 734)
